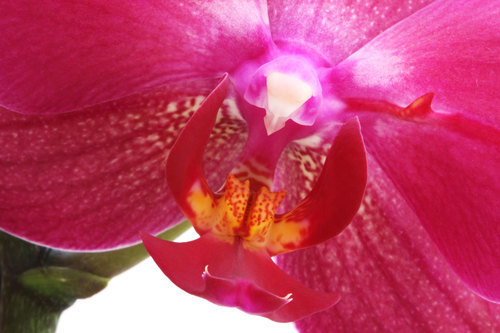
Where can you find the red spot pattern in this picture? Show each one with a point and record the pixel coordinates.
(261, 214)
(243, 213)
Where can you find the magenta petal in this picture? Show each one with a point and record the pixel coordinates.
(335, 29)
(185, 264)
(447, 169)
(449, 48)
(390, 274)
(93, 179)
(59, 56)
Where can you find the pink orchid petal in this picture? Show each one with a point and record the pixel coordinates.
(449, 48)
(334, 199)
(185, 263)
(334, 29)
(93, 179)
(447, 168)
(389, 273)
(59, 56)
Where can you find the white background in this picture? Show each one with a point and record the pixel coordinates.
(144, 300)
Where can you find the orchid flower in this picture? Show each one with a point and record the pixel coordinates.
(95, 95)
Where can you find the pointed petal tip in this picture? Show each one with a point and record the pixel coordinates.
(318, 303)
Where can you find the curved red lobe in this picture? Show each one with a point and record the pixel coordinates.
(334, 199)
(184, 163)
(236, 277)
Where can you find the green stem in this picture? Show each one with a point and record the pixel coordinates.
(22, 311)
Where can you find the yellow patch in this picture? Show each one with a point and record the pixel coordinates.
(286, 235)
(250, 216)
(202, 205)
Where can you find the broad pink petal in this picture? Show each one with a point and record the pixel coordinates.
(447, 169)
(93, 179)
(185, 263)
(60, 56)
(334, 199)
(389, 274)
(449, 48)
(335, 29)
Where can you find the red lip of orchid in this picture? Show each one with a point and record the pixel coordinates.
(230, 264)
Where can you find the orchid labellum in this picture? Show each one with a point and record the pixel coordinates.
(100, 98)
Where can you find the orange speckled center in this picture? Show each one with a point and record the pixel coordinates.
(239, 212)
